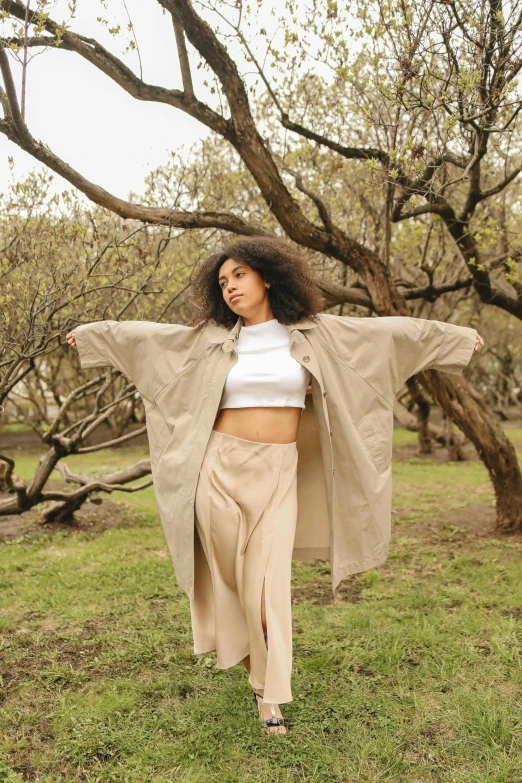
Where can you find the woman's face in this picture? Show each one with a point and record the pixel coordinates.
(237, 279)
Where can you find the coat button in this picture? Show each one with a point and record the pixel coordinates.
(331, 433)
(306, 358)
(333, 472)
(324, 394)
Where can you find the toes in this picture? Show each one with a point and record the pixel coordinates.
(275, 730)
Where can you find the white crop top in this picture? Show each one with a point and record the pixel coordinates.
(266, 374)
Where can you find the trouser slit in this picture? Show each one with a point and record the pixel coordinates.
(263, 610)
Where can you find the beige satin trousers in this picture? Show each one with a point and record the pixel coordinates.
(245, 515)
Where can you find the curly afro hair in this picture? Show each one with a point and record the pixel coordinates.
(293, 293)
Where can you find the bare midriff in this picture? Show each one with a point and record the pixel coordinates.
(266, 425)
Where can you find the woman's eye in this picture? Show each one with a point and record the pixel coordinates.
(224, 284)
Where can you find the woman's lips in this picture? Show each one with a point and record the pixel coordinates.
(236, 296)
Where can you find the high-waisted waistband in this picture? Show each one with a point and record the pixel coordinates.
(247, 443)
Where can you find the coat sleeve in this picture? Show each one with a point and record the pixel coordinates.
(123, 345)
(421, 344)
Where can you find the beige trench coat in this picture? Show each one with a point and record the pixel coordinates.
(344, 441)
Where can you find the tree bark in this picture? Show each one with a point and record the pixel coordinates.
(470, 414)
(422, 415)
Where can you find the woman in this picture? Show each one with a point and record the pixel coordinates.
(253, 487)
(239, 482)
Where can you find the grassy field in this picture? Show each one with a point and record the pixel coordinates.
(412, 673)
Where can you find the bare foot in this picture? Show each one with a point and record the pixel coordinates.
(268, 711)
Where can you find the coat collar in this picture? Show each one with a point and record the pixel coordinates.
(224, 334)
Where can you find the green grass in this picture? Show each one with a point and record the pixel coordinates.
(412, 674)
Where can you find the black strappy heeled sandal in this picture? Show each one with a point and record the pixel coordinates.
(274, 720)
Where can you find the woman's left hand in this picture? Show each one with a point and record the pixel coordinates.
(479, 342)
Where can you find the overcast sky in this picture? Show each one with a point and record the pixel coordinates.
(90, 122)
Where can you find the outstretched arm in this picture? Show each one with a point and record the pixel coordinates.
(388, 350)
(421, 344)
(128, 346)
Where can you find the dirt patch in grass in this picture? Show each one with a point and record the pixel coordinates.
(46, 661)
(92, 517)
(474, 520)
(60, 656)
(349, 591)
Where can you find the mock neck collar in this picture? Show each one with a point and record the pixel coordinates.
(224, 334)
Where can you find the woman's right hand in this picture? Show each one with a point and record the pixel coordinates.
(71, 339)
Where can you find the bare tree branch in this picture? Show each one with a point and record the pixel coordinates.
(92, 51)
(244, 134)
(12, 101)
(321, 207)
(501, 185)
(158, 215)
(184, 63)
